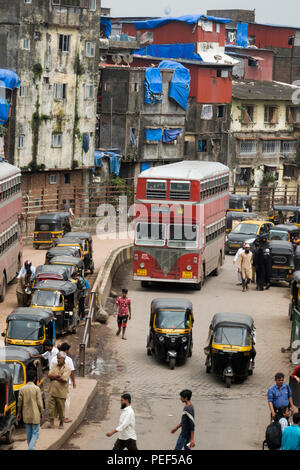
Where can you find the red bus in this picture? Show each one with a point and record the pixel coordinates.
(11, 246)
(179, 233)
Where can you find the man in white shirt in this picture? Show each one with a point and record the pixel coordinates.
(50, 352)
(235, 261)
(126, 428)
(65, 347)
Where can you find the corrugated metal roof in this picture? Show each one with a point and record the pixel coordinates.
(262, 90)
(7, 170)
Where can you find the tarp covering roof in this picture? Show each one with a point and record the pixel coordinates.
(153, 85)
(180, 84)
(189, 19)
(9, 79)
(170, 51)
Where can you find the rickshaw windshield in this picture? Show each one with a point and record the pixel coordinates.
(47, 227)
(16, 371)
(279, 235)
(26, 330)
(236, 336)
(172, 319)
(46, 298)
(246, 229)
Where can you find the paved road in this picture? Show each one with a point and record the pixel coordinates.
(232, 418)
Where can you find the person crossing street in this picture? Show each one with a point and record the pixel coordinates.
(123, 309)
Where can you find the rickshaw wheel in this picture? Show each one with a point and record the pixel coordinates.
(149, 352)
(228, 382)
(172, 363)
(36, 247)
(9, 436)
(208, 369)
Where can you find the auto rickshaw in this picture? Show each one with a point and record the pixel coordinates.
(49, 226)
(8, 406)
(70, 242)
(170, 335)
(285, 214)
(233, 217)
(51, 271)
(87, 240)
(62, 251)
(285, 232)
(240, 202)
(282, 254)
(74, 263)
(61, 298)
(17, 360)
(230, 346)
(27, 326)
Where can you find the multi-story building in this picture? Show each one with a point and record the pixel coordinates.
(53, 45)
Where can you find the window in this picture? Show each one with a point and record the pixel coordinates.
(152, 234)
(218, 27)
(67, 178)
(56, 140)
(247, 147)
(221, 111)
(289, 171)
(21, 139)
(92, 5)
(251, 40)
(252, 62)
(288, 146)
(202, 145)
(247, 113)
(89, 92)
(271, 114)
(180, 190)
(207, 111)
(53, 179)
(156, 189)
(73, 3)
(271, 146)
(26, 44)
(291, 112)
(23, 91)
(64, 43)
(245, 176)
(222, 73)
(89, 49)
(291, 41)
(60, 91)
(27, 1)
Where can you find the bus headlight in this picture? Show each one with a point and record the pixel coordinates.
(184, 339)
(189, 268)
(161, 339)
(142, 265)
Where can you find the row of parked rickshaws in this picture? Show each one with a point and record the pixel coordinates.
(229, 348)
(53, 311)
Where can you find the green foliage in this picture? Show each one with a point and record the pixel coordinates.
(268, 178)
(3, 131)
(78, 67)
(37, 70)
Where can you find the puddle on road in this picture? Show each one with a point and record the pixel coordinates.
(101, 366)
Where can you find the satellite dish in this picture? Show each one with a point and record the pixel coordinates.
(116, 58)
(128, 58)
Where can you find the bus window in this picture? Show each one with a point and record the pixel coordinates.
(150, 234)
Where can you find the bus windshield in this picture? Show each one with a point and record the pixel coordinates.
(26, 330)
(232, 336)
(150, 234)
(47, 298)
(171, 319)
(183, 236)
(246, 229)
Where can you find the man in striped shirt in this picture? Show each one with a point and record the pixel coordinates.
(187, 425)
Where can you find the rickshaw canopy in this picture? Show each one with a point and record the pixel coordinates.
(281, 247)
(51, 271)
(18, 353)
(41, 315)
(232, 319)
(68, 260)
(286, 228)
(165, 303)
(64, 287)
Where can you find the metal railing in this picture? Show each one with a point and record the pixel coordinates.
(86, 339)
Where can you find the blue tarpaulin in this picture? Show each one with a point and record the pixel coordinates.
(242, 35)
(4, 110)
(114, 164)
(145, 166)
(106, 22)
(189, 19)
(9, 79)
(171, 134)
(153, 135)
(153, 85)
(98, 159)
(114, 160)
(86, 142)
(169, 51)
(180, 84)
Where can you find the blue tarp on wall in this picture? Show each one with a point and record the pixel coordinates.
(169, 51)
(153, 135)
(180, 84)
(189, 19)
(171, 134)
(242, 35)
(153, 85)
(4, 110)
(106, 22)
(9, 79)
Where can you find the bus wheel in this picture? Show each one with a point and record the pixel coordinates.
(3, 288)
(217, 271)
(144, 283)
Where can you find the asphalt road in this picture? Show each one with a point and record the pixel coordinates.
(226, 419)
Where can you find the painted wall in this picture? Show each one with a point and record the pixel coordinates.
(270, 36)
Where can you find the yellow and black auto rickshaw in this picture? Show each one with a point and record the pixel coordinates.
(49, 226)
(8, 406)
(170, 336)
(54, 272)
(70, 242)
(87, 241)
(285, 232)
(282, 256)
(285, 214)
(240, 202)
(74, 263)
(62, 251)
(61, 298)
(26, 326)
(230, 346)
(17, 360)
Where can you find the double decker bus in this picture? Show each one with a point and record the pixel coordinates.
(179, 233)
(11, 246)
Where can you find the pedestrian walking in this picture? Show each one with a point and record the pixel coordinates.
(27, 268)
(30, 408)
(282, 417)
(23, 290)
(50, 352)
(291, 435)
(123, 312)
(81, 293)
(245, 267)
(186, 437)
(268, 268)
(279, 395)
(259, 264)
(235, 261)
(126, 428)
(59, 375)
(65, 347)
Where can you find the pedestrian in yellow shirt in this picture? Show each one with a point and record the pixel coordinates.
(59, 375)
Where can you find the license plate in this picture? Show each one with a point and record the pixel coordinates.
(232, 245)
(187, 275)
(141, 272)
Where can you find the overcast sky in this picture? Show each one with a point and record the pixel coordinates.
(267, 11)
